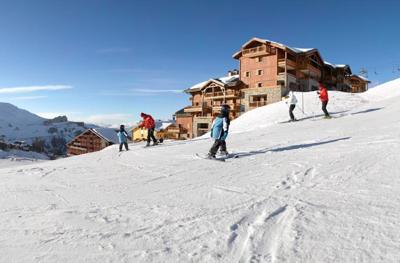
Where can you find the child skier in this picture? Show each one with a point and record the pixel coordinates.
(150, 125)
(123, 138)
(323, 96)
(219, 131)
(292, 101)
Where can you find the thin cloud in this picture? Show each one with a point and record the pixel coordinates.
(29, 89)
(114, 50)
(109, 120)
(141, 92)
(157, 91)
(28, 98)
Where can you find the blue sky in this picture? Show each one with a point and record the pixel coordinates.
(105, 61)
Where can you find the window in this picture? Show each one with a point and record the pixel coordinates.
(260, 72)
(247, 74)
(259, 85)
(259, 59)
(202, 125)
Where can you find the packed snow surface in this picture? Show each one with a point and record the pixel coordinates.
(311, 191)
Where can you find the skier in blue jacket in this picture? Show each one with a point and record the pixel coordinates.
(123, 138)
(219, 131)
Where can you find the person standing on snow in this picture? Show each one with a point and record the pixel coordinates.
(323, 96)
(219, 131)
(292, 101)
(149, 123)
(123, 138)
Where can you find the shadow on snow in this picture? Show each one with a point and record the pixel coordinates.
(289, 148)
(366, 111)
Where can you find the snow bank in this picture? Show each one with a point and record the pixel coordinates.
(308, 106)
(384, 91)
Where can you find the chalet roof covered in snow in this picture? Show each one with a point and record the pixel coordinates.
(336, 66)
(362, 78)
(296, 50)
(223, 81)
(107, 134)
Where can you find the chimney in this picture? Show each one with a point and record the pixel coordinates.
(233, 72)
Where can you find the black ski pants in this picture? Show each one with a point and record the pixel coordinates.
(324, 104)
(150, 135)
(123, 144)
(218, 144)
(291, 109)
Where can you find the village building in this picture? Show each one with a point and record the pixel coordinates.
(208, 97)
(358, 83)
(184, 121)
(92, 140)
(163, 130)
(268, 70)
(336, 77)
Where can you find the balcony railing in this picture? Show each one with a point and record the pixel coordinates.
(197, 108)
(221, 94)
(257, 104)
(256, 51)
(289, 63)
(233, 107)
(281, 76)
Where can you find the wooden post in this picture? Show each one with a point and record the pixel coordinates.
(202, 103)
(286, 76)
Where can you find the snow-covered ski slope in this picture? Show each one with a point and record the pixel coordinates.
(312, 191)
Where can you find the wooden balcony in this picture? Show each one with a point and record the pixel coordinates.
(256, 51)
(233, 107)
(282, 77)
(290, 64)
(220, 94)
(257, 104)
(199, 108)
(309, 69)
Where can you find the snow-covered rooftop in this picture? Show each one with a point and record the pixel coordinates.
(223, 80)
(362, 77)
(162, 125)
(294, 49)
(107, 133)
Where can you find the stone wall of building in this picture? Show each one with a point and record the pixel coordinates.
(273, 95)
(201, 120)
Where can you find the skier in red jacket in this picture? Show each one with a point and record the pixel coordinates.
(149, 123)
(323, 96)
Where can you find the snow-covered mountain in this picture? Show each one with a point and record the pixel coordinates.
(311, 191)
(18, 124)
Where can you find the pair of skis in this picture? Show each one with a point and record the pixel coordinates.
(218, 158)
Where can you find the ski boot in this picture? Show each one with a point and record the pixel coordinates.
(211, 156)
(224, 153)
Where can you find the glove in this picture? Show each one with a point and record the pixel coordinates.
(224, 135)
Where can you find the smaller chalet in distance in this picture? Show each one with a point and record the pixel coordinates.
(92, 140)
(164, 130)
(358, 83)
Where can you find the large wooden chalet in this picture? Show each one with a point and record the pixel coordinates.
(267, 71)
(92, 140)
